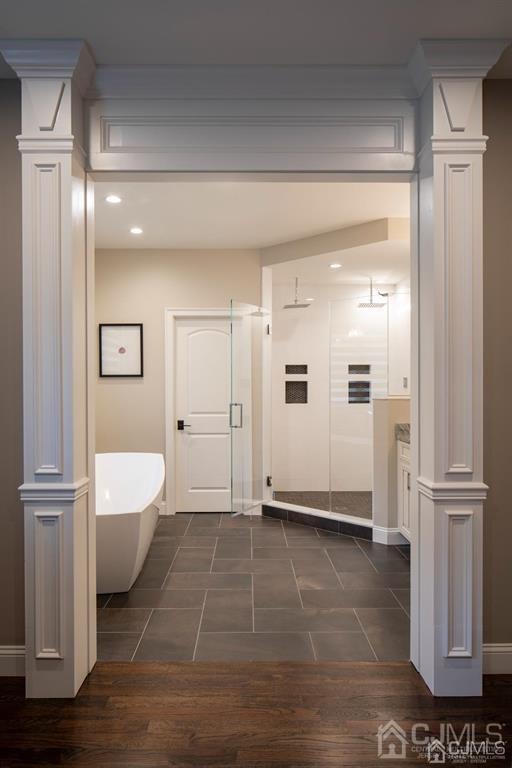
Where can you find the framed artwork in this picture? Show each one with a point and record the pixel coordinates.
(121, 350)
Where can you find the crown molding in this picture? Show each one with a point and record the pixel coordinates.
(318, 83)
(50, 59)
(453, 58)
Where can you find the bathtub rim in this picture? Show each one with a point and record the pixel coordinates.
(151, 501)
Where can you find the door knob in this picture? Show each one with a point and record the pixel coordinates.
(182, 425)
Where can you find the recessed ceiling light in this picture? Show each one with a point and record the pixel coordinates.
(113, 199)
(335, 266)
(136, 231)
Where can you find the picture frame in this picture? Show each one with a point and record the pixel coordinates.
(121, 350)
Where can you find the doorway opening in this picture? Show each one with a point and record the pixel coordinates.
(268, 374)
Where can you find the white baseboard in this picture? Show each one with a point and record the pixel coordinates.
(12, 660)
(497, 658)
(390, 536)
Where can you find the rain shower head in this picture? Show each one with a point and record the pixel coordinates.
(371, 304)
(296, 304)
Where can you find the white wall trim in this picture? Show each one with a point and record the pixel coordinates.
(497, 658)
(39, 58)
(49, 587)
(458, 583)
(54, 492)
(445, 492)
(389, 536)
(453, 59)
(251, 134)
(12, 660)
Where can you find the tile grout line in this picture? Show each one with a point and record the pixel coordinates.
(258, 631)
(397, 607)
(280, 631)
(334, 569)
(312, 646)
(199, 625)
(296, 583)
(142, 634)
(175, 555)
(370, 561)
(364, 633)
(214, 552)
(402, 554)
(400, 604)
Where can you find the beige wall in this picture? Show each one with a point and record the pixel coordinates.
(497, 360)
(136, 286)
(11, 469)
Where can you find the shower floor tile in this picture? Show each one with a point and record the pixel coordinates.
(216, 588)
(357, 503)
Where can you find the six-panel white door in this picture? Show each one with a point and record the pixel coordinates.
(203, 452)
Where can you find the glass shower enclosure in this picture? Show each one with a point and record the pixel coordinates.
(330, 362)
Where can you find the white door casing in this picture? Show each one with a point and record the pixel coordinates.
(261, 120)
(202, 386)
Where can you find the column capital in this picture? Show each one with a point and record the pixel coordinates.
(54, 59)
(453, 59)
(55, 76)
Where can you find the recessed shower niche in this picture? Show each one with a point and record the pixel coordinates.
(296, 392)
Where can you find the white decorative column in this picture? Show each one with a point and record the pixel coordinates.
(58, 535)
(447, 570)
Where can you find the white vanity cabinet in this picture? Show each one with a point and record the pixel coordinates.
(404, 487)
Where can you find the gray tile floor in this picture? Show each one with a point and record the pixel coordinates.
(216, 588)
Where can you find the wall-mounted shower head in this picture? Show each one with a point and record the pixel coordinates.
(296, 304)
(371, 304)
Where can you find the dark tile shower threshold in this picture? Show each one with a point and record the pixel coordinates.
(321, 520)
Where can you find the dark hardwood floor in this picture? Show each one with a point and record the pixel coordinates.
(243, 714)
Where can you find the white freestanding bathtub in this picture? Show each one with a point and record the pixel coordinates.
(128, 486)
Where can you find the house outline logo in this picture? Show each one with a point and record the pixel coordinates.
(391, 741)
(436, 752)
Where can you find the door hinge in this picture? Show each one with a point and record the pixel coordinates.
(269, 329)
(269, 481)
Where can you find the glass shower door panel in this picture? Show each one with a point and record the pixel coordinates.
(247, 327)
(358, 374)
